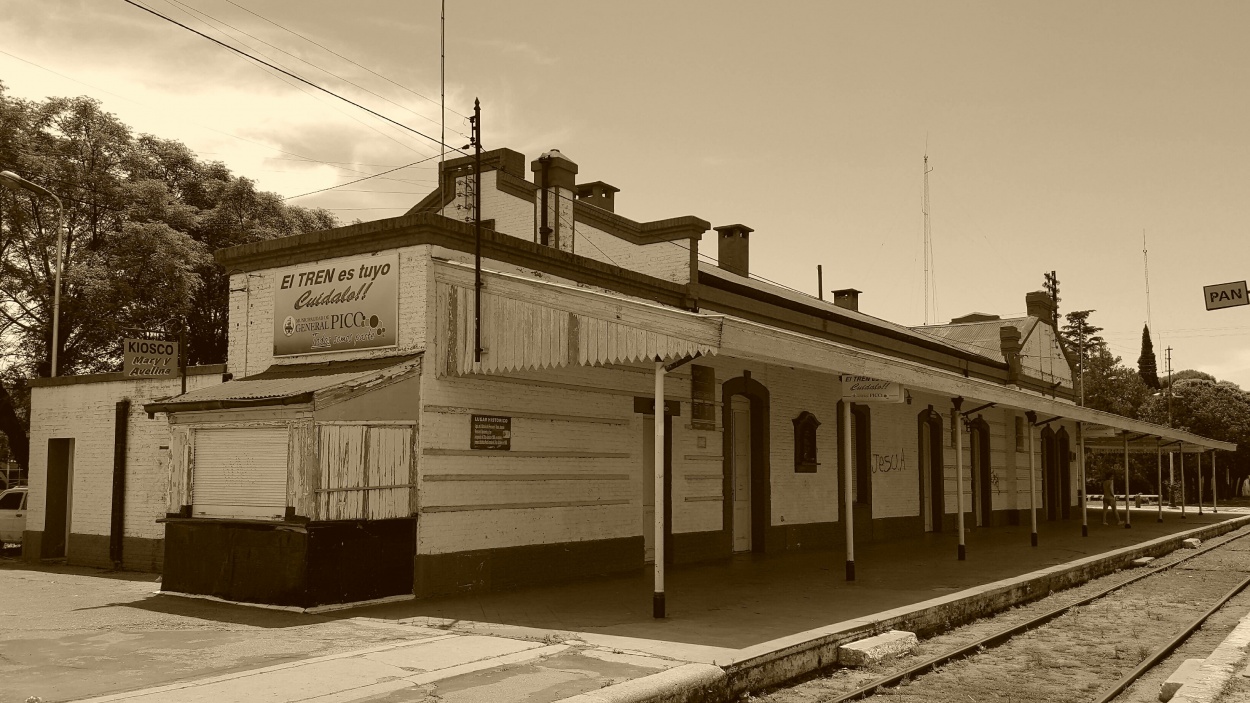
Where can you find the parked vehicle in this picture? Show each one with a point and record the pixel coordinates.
(12, 515)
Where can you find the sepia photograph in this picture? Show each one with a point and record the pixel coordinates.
(474, 351)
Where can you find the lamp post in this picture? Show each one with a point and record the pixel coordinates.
(13, 181)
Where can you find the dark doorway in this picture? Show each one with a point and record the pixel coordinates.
(982, 473)
(58, 498)
(1050, 475)
(1063, 455)
(932, 476)
(860, 434)
(756, 446)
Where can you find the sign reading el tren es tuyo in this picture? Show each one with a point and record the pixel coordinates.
(149, 358)
(341, 306)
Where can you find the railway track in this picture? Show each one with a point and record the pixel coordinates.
(1090, 643)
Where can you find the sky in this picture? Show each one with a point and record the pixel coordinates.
(1058, 133)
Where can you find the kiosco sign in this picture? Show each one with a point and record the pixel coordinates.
(336, 307)
(149, 358)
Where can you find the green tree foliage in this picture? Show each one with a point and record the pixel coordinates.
(1147, 366)
(1082, 339)
(142, 218)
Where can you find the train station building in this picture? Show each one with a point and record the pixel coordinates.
(594, 398)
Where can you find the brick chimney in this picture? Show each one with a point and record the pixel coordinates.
(1039, 305)
(599, 194)
(1009, 342)
(556, 174)
(847, 298)
(734, 250)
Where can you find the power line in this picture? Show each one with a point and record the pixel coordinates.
(292, 75)
(358, 180)
(280, 77)
(332, 51)
(298, 58)
(299, 157)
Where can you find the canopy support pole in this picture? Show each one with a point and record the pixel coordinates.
(959, 475)
(1159, 462)
(848, 500)
(1032, 418)
(657, 599)
(1080, 427)
(1128, 515)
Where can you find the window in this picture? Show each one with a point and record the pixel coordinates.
(702, 397)
(1020, 438)
(805, 443)
(12, 501)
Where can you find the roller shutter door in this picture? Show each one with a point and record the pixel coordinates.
(240, 473)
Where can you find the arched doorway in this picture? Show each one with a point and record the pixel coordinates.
(982, 473)
(932, 478)
(746, 488)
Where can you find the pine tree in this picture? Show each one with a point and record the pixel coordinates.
(1147, 367)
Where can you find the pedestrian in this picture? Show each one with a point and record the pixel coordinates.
(1109, 501)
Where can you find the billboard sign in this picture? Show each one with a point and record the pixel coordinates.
(865, 389)
(1225, 295)
(149, 358)
(341, 306)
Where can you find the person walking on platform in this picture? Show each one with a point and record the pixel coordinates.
(1109, 501)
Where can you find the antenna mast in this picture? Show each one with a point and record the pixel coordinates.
(928, 241)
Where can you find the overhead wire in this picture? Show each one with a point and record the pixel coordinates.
(301, 59)
(298, 157)
(358, 180)
(282, 78)
(292, 75)
(332, 51)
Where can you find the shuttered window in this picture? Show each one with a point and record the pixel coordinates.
(365, 472)
(240, 473)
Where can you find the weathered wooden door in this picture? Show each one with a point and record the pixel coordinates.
(741, 443)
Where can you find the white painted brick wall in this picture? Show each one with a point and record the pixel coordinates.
(86, 413)
(667, 260)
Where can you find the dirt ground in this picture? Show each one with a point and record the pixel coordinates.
(1077, 655)
(68, 632)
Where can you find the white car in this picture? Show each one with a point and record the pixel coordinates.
(12, 515)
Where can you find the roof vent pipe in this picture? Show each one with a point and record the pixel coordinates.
(847, 298)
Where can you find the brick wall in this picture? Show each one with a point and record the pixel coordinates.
(667, 260)
(86, 413)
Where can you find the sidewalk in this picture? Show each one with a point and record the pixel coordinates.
(71, 634)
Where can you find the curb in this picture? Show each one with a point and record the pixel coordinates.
(1209, 680)
(775, 663)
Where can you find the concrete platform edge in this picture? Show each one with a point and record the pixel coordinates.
(773, 663)
(1205, 686)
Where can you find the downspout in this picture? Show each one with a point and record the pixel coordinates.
(544, 231)
(117, 523)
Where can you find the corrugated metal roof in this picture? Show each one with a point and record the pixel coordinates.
(285, 381)
(979, 337)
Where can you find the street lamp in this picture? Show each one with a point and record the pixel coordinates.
(12, 181)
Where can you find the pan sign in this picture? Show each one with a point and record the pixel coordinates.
(338, 306)
(1225, 295)
(865, 389)
(149, 358)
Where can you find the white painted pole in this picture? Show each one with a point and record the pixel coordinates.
(661, 501)
(1080, 426)
(1182, 463)
(1159, 461)
(848, 500)
(1215, 499)
(1128, 515)
(1032, 418)
(1198, 455)
(959, 476)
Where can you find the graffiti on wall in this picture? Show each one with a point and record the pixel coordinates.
(885, 463)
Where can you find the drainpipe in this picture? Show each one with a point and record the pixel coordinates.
(848, 500)
(118, 522)
(959, 474)
(1032, 418)
(544, 231)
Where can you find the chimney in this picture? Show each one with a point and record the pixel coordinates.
(599, 194)
(975, 317)
(1009, 342)
(1039, 305)
(734, 252)
(555, 176)
(847, 298)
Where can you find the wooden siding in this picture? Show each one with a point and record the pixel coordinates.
(365, 471)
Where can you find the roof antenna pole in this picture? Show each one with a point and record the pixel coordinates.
(928, 242)
(820, 282)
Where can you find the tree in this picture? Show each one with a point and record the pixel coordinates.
(1147, 366)
(1082, 339)
(1216, 409)
(142, 217)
